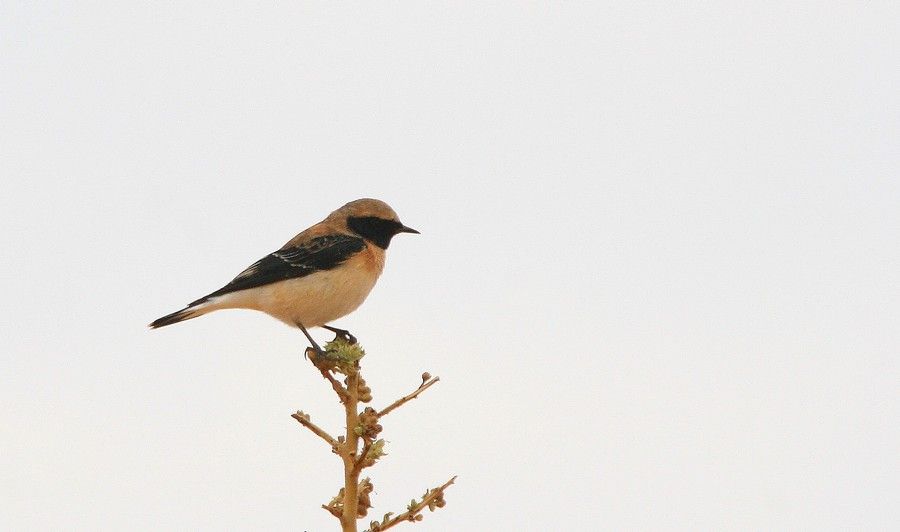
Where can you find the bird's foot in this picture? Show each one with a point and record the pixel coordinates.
(315, 353)
(341, 334)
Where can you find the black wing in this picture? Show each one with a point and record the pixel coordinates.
(322, 253)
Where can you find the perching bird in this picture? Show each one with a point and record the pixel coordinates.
(320, 275)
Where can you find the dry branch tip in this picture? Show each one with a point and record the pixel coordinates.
(426, 383)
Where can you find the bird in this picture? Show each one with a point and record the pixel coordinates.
(320, 275)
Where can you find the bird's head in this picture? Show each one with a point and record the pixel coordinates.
(371, 219)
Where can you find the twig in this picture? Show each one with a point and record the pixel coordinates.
(360, 460)
(304, 420)
(413, 511)
(427, 381)
(338, 389)
(326, 373)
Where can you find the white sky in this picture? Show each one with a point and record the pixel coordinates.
(658, 275)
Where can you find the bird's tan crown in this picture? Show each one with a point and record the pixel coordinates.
(363, 208)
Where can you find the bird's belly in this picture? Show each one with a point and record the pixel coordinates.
(318, 298)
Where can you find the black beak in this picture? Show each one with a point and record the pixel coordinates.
(404, 229)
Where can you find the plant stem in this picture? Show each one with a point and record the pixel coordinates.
(304, 420)
(351, 446)
(411, 512)
(406, 398)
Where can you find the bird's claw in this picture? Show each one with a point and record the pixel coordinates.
(342, 334)
(346, 336)
(313, 353)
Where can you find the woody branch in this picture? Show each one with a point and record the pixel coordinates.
(360, 447)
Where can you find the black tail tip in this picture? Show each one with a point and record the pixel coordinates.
(169, 319)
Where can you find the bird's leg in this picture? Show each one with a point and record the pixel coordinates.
(341, 333)
(319, 350)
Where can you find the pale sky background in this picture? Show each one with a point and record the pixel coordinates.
(658, 274)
